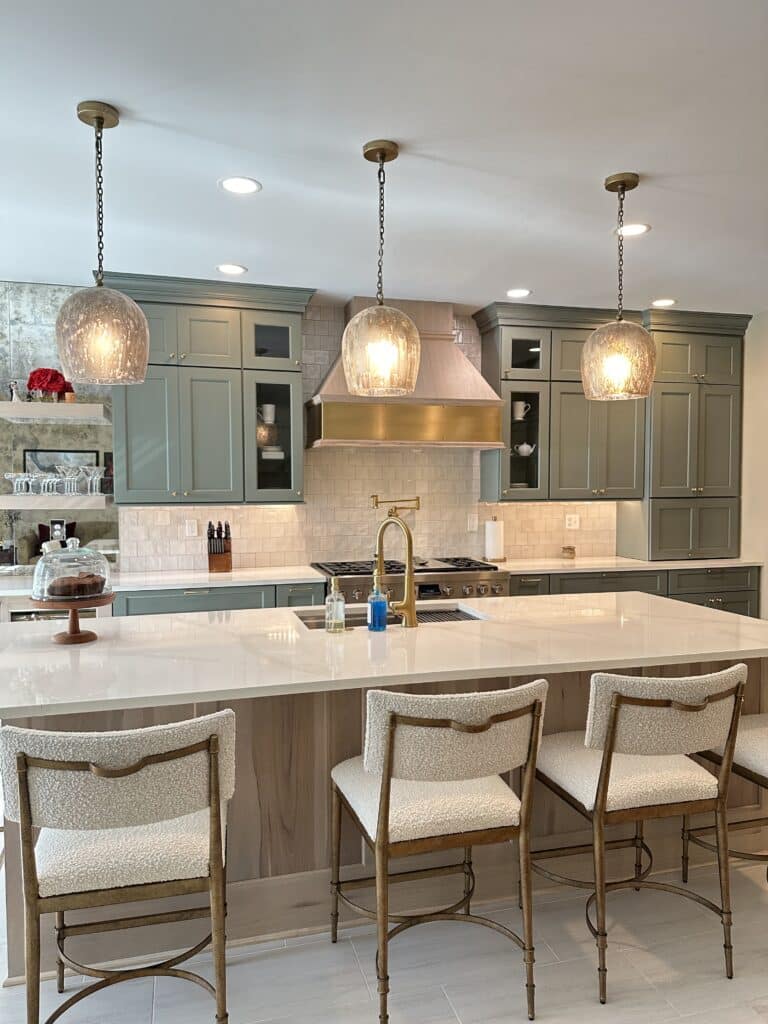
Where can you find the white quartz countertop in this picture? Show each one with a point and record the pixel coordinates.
(21, 586)
(615, 563)
(155, 660)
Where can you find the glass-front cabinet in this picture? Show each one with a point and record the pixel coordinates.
(521, 470)
(525, 353)
(271, 340)
(274, 443)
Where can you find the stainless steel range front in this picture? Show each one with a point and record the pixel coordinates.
(434, 577)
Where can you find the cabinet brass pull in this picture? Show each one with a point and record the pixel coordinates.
(195, 593)
(530, 579)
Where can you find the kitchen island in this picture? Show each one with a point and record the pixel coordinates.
(299, 696)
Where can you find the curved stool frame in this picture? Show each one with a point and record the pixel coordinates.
(600, 818)
(36, 905)
(384, 850)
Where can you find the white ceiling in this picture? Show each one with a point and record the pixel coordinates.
(509, 112)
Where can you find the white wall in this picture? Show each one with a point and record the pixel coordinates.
(755, 454)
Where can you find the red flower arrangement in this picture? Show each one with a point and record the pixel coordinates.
(50, 381)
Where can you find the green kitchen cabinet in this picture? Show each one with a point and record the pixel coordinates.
(520, 471)
(714, 578)
(208, 336)
(692, 357)
(525, 353)
(528, 585)
(597, 448)
(274, 451)
(210, 434)
(567, 344)
(296, 595)
(700, 528)
(695, 440)
(271, 340)
(740, 602)
(193, 599)
(163, 332)
(145, 422)
(647, 582)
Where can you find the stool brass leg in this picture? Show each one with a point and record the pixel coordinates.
(467, 876)
(32, 963)
(382, 930)
(602, 937)
(686, 827)
(59, 961)
(725, 885)
(526, 898)
(218, 930)
(638, 851)
(335, 860)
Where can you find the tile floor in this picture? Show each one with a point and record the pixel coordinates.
(665, 964)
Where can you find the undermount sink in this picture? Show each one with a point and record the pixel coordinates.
(315, 618)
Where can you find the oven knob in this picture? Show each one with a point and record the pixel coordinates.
(447, 591)
(482, 589)
(497, 588)
(467, 590)
(357, 594)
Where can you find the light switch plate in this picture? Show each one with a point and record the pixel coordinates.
(190, 527)
(572, 522)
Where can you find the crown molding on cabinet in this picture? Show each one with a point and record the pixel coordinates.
(148, 288)
(699, 323)
(502, 314)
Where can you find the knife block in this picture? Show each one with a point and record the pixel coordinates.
(221, 561)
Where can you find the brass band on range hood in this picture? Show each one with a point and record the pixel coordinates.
(363, 423)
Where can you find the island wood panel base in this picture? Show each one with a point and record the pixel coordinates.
(278, 836)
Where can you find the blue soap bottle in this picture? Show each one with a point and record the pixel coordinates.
(378, 607)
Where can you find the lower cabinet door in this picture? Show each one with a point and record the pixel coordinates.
(196, 599)
(672, 528)
(211, 434)
(717, 527)
(740, 602)
(274, 436)
(295, 595)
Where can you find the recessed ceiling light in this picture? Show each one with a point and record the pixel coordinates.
(240, 186)
(662, 303)
(518, 293)
(632, 230)
(231, 268)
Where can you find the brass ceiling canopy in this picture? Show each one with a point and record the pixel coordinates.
(381, 149)
(91, 111)
(624, 179)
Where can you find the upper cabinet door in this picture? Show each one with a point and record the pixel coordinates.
(211, 434)
(567, 344)
(525, 353)
(718, 359)
(577, 446)
(717, 527)
(271, 341)
(274, 436)
(146, 439)
(523, 465)
(208, 336)
(673, 529)
(674, 440)
(163, 333)
(622, 472)
(719, 447)
(676, 356)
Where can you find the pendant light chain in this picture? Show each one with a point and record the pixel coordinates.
(620, 233)
(99, 131)
(380, 273)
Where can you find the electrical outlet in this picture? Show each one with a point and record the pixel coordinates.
(190, 527)
(572, 522)
(472, 522)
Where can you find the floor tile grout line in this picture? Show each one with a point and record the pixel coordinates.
(360, 968)
(448, 1000)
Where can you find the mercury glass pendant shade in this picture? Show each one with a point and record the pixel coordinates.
(380, 353)
(618, 362)
(103, 338)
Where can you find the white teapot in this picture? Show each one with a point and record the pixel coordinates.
(524, 449)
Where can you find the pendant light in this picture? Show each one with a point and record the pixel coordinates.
(618, 360)
(380, 349)
(102, 335)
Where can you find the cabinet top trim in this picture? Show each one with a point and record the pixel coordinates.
(518, 314)
(147, 288)
(697, 323)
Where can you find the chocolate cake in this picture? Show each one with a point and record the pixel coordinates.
(85, 584)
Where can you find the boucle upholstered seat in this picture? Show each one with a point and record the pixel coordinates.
(751, 750)
(635, 781)
(421, 809)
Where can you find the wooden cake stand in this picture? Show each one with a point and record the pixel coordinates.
(73, 634)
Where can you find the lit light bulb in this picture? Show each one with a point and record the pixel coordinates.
(617, 370)
(382, 357)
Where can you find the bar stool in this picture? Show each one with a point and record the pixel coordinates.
(428, 781)
(123, 816)
(632, 765)
(750, 762)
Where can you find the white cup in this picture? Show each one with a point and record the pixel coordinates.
(520, 410)
(268, 413)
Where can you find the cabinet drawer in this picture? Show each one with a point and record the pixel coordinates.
(295, 595)
(740, 602)
(700, 581)
(195, 599)
(608, 582)
(535, 583)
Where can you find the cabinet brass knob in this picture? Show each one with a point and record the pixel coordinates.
(297, 362)
(171, 355)
(183, 355)
(298, 493)
(174, 493)
(186, 494)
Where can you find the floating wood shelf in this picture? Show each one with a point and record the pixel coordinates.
(20, 502)
(76, 413)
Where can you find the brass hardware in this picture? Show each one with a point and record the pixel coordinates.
(171, 355)
(195, 593)
(407, 607)
(396, 504)
(174, 494)
(624, 179)
(297, 362)
(530, 579)
(299, 493)
(381, 149)
(186, 494)
(183, 355)
(91, 112)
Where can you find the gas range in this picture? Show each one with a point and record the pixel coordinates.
(435, 578)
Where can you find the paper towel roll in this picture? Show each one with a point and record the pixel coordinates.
(494, 540)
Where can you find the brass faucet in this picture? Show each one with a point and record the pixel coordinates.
(406, 608)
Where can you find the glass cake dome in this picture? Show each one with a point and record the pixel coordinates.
(71, 573)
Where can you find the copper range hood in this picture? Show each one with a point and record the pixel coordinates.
(452, 405)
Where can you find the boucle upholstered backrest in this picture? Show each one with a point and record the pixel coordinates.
(644, 730)
(81, 800)
(444, 754)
